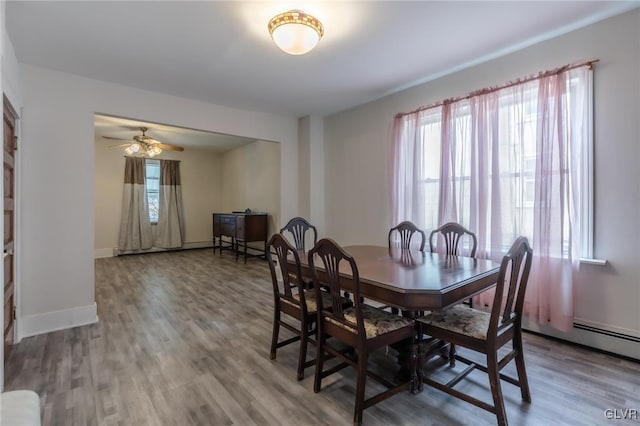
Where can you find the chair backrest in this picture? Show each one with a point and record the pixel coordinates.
(512, 280)
(452, 233)
(332, 255)
(298, 227)
(291, 273)
(406, 230)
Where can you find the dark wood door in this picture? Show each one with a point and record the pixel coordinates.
(9, 222)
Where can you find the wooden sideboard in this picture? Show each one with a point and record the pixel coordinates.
(241, 229)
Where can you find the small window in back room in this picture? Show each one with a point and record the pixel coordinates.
(153, 188)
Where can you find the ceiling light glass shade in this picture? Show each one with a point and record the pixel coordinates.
(143, 149)
(295, 32)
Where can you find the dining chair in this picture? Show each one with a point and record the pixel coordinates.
(291, 298)
(406, 230)
(361, 327)
(488, 332)
(453, 234)
(298, 227)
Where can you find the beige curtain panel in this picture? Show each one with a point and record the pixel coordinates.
(170, 229)
(135, 227)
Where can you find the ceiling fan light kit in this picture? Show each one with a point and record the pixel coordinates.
(134, 148)
(146, 146)
(143, 149)
(295, 32)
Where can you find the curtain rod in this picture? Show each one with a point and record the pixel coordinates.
(491, 89)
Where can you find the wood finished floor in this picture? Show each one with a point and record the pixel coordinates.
(183, 339)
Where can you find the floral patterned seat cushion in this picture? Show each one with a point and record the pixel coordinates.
(460, 319)
(376, 321)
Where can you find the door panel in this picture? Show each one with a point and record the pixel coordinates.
(8, 178)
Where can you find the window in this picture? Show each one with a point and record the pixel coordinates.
(152, 185)
(508, 162)
(500, 136)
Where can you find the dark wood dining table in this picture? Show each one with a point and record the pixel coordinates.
(414, 282)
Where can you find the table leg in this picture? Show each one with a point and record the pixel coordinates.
(416, 382)
(408, 358)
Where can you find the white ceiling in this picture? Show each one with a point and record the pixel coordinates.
(220, 52)
(126, 129)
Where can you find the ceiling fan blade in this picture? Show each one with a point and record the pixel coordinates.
(120, 145)
(169, 147)
(115, 139)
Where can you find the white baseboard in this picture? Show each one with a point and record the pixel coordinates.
(103, 252)
(32, 325)
(197, 244)
(113, 251)
(623, 344)
(614, 329)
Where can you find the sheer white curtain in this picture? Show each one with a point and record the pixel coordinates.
(562, 132)
(170, 229)
(135, 227)
(408, 196)
(504, 163)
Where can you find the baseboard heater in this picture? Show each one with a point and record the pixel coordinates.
(186, 246)
(605, 332)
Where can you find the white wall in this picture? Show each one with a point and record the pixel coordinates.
(250, 176)
(200, 172)
(11, 85)
(311, 170)
(57, 173)
(358, 157)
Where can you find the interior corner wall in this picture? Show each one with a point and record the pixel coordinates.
(57, 174)
(250, 176)
(304, 162)
(201, 174)
(358, 156)
(11, 85)
(311, 170)
(316, 174)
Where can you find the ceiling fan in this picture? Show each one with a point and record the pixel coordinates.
(144, 145)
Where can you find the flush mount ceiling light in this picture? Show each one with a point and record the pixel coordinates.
(295, 32)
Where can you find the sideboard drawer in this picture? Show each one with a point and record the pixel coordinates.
(227, 229)
(240, 227)
(227, 219)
